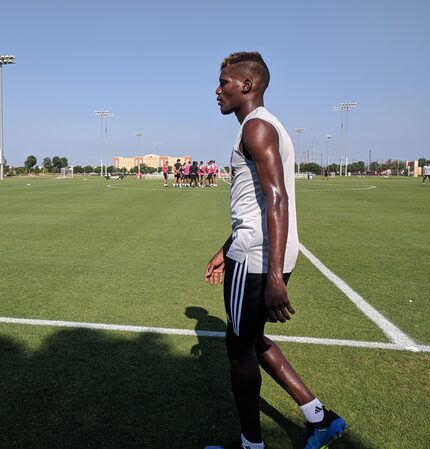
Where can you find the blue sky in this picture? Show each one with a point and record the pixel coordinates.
(155, 65)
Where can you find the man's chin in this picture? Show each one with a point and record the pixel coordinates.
(225, 111)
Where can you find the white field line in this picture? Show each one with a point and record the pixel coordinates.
(390, 330)
(395, 335)
(369, 187)
(201, 333)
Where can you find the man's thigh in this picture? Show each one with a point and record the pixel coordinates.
(244, 300)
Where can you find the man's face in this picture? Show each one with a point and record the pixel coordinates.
(229, 92)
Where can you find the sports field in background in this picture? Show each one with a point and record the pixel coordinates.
(130, 253)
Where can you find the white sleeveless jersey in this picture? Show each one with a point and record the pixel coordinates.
(248, 204)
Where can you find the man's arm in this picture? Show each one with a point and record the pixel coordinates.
(260, 142)
(214, 273)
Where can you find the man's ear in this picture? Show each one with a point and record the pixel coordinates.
(247, 86)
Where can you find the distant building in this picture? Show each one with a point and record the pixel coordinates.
(150, 160)
(412, 168)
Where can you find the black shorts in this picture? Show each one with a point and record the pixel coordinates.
(165, 176)
(244, 299)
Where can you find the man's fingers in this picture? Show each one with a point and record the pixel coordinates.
(290, 308)
(208, 272)
(271, 318)
(285, 314)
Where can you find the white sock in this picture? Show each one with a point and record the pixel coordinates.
(313, 411)
(248, 445)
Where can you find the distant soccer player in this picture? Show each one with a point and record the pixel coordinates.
(177, 173)
(194, 174)
(209, 177)
(256, 261)
(426, 172)
(202, 173)
(187, 174)
(214, 173)
(165, 170)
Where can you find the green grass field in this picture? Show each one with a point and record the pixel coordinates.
(133, 253)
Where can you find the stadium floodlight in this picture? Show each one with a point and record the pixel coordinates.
(103, 115)
(328, 137)
(346, 106)
(4, 60)
(138, 134)
(299, 131)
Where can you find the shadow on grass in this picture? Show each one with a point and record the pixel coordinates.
(292, 432)
(105, 390)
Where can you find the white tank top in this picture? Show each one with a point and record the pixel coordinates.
(248, 204)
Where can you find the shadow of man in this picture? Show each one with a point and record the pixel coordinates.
(208, 326)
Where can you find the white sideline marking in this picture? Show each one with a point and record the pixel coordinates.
(390, 330)
(201, 333)
(369, 187)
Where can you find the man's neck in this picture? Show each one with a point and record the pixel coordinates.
(247, 108)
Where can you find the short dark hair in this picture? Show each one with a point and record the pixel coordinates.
(249, 61)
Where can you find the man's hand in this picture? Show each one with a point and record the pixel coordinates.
(278, 305)
(214, 273)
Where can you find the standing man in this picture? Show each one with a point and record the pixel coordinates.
(426, 172)
(256, 261)
(202, 173)
(177, 173)
(210, 174)
(165, 170)
(194, 174)
(187, 176)
(214, 173)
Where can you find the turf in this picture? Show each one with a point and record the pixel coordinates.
(125, 252)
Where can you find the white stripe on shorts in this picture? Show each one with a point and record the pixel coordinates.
(236, 294)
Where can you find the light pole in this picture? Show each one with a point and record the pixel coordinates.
(299, 131)
(344, 107)
(4, 59)
(328, 137)
(103, 115)
(138, 134)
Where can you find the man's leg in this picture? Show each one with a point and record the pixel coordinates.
(273, 361)
(246, 384)
(323, 425)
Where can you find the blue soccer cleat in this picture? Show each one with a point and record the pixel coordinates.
(321, 434)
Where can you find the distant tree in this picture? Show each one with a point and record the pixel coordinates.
(422, 161)
(143, 169)
(111, 169)
(357, 167)
(30, 162)
(64, 162)
(88, 169)
(97, 169)
(47, 164)
(374, 167)
(311, 167)
(78, 169)
(19, 170)
(56, 164)
(333, 168)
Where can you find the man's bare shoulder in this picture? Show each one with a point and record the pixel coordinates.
(259, 134)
